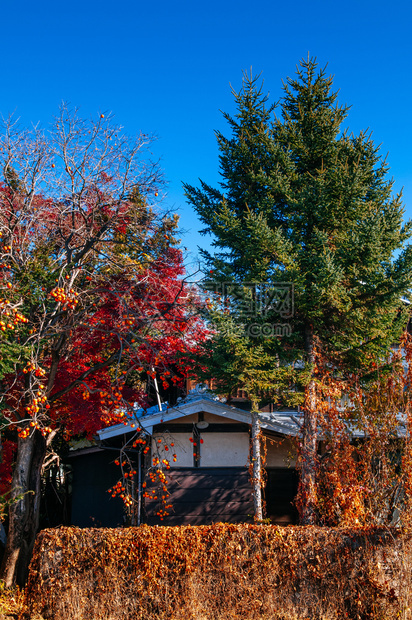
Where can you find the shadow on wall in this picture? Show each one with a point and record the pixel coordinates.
(201, 496)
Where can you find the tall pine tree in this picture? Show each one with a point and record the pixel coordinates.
(231, 360)
(302, 201)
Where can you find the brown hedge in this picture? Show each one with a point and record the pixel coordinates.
(220, 572)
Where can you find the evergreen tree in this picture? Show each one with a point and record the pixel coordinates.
(233, 361)
(302, 201)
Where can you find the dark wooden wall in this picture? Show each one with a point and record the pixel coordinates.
(92, 505)
(280, 492)
(205, 495)
(199, 495)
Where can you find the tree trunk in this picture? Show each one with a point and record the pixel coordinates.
(24, 509)
(256, 463)
(308, 474)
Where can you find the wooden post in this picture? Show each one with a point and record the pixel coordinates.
(256, 463)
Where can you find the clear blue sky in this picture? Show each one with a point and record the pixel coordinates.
(166, 68)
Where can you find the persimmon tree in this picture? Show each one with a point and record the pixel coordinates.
(91, 292)
(303, 202)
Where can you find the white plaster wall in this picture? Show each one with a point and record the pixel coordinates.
(224, 450)
(193, 418)
(183, 448)
(186, 419)
(218, 419)
(280, 453)
(221, 450)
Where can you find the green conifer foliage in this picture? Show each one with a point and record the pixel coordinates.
(303, 201)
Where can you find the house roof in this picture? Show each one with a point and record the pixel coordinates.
(202, 400)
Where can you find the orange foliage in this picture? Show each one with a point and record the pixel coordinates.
(219, 572)
(364, 466)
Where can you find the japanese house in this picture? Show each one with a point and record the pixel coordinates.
(206, 443)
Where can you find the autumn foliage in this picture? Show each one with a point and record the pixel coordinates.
(93, 298)
(363, 463)
(219, 572)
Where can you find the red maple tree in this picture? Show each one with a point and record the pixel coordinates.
(92, 295)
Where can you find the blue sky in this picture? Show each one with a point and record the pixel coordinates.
(166, 68)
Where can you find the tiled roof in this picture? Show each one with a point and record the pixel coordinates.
(287, 423)
(201, 399)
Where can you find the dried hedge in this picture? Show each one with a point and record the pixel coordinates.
(219, 572)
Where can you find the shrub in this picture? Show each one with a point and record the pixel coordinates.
(219, 572)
